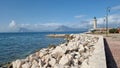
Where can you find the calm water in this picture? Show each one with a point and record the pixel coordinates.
(19, 45)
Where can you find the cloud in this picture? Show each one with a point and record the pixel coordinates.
(51, 24)
(39, 26)
(12, 24)
(113, 21)
(80, 16)
(116, 7)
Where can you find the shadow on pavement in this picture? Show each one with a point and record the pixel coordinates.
(109, 57)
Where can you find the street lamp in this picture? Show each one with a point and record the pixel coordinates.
(107, 11)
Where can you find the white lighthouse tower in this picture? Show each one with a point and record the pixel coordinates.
(95, 23)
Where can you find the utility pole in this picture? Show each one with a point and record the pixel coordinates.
(107, 11)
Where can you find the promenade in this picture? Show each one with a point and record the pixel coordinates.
(113, 50)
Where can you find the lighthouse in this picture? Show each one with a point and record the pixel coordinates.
(95, 23)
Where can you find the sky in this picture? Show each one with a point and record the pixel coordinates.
(50, 14)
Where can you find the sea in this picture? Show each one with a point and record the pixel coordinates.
(19, 45)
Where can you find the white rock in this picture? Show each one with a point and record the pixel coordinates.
(34, 66)
(26, 65)
(26, 59)
(46, 58)
(64, 60)
(72, 46)
(40, 63)
(81, 59)
(71, 35)
(17, 63)
(37, 54)
(32, 57)
(57, 55)
(42, 53)
(85, 64)
(59, 49)
(69, 56)
(75, 66)
(58, 66)
(76, 55)
(81, 48)
(45, 66)
(75, 62)
(86, 47)
(14, 64)
(86, 54)
(66, 66)
(35, 62)
(52, 61)
(58, 52)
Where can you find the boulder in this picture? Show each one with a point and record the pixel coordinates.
(85, 64)
(26, 65)
(37, 54)
(42, 53)
(57, 56)
(64, 60)
(58, 66)
(17, 63)
(81, 59)
(77, 56)
(46, 58)
(75, 67)
(58, 52)
(75, 62)
(40, 63)
(46, 65)
(35, 62)
(14, 65)
(52, 61)
(85, 55)
(72, 46)
(34, 66)
(32, 57)
(59, 49)
(81, 48)
(69, 56)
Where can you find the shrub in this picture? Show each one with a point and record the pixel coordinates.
(93, 31)
(114, 30)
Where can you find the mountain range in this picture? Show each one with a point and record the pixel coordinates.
(61, 28)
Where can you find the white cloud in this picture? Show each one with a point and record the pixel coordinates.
(39, 26)
(113, 21)
(51, 24)
(116, 7)
(12, 24)
(80, 16)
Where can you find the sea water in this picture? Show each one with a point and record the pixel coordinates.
(19, 45)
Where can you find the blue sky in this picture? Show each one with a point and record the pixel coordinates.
(43, 14)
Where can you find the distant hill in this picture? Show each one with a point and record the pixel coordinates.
(61, 28)
(65, 28)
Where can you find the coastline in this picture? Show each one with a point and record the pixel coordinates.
(74, 53)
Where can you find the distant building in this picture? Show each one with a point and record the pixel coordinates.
(98, 30)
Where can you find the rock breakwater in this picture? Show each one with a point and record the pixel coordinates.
(75, 53)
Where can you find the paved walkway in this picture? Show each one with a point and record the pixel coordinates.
(112, 47)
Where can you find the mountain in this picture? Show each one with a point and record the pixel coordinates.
(24, 30)
(65, 28)
(61, 28)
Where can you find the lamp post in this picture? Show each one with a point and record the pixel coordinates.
(107, 30)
